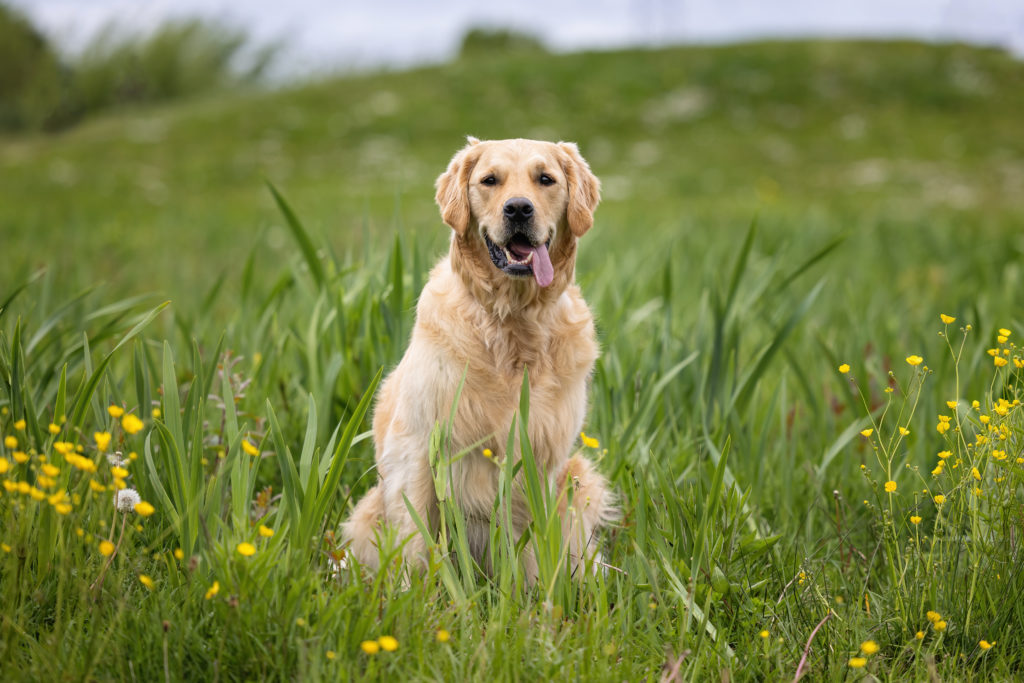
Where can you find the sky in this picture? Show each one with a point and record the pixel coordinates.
(321, 35)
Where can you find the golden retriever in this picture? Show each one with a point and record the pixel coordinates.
(503, 299)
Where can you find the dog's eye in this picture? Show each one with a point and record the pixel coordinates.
(489, 180)
(545, 179)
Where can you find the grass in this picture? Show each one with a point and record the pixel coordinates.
(885, 183)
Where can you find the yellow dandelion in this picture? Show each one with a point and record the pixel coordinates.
(764, 634)
(62, 508)
(857, 662)
(145, 580)
(589, 441)
(946, 319)
(869, 647)
(330, 655)
(890, 486)
(984, 644)
(932, 616)
(867, 432)
(119, 472)
(156, 413)
(53, 429)
(102, 440)
(914, 360)
(249, 448)
(96, 486)
(919, 635)
(844, 368)
(370, 647)
(4, 465)
(144, 509)
(914, 519)
(115, 411)
(131, 424)
(265, 531)
(20, 457)
(246, 549)
(443, 636)
(940, 625)
(388, 643)
(213, 590)
(179, 554)
(106, 548)
(50, 470)
(11, 442)
(20, 425)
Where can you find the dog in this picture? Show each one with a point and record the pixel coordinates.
(503, 299)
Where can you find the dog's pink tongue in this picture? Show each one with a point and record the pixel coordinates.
(543, 272)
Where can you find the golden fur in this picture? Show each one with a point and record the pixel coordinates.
(472, 317)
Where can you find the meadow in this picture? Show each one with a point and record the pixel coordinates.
(807, 276)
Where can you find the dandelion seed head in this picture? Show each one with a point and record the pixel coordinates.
(126, 499)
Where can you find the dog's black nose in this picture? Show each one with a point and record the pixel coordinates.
(518, 209)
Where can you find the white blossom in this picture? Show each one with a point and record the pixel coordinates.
(126, 499)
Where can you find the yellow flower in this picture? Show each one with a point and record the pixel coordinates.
(940, 499)
(213, 590)
(919, 635)
(975, 473)
(945, 454)
(940, 625)
(764, 634)
(984, 644)
(857, 662)
(443, 636)
(330, 654)
(20, 425)
(106, 548)
(370, 647)
(932, 616)
(102, 440)
(143, 579)
(20, 457)
(115, 411)
(156, 413)
(890, 486)
(50, 470)
(265, 531)
(11, 442)
(589, 441)
(999, 361)
(904, 431)
(869, 647)
(131, 424)
(488, 453)
(62, 508)
(1004, 332)
(915, 360)
(4, 465)
(179, 554)
(867, 432)
(844, 368)
(914, 519)
(388, 643)
(249, 448)
(6, 548)
(246, 549)
(947, 319)
(119, 472)
(144, 509)
(96, 486)
(53, 429)
(36, 494)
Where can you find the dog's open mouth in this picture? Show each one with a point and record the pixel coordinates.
(521, 258)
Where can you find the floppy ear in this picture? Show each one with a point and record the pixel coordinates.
(453, 187)
(584, 189)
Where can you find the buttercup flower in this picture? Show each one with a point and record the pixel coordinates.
(102, 440)
(11, 442)
(589, 441)
(939, 499)
(53, 429)
(857, 662)
(115, 411)
(388, 643)
(984, 644)
(246, 549)
(213, 590)
(890, 486)
(145, 580)
(106, 548)
(443, 635)
(867, 432)
(947, 319)
(914, 519)
(131, 424)
(844, 368)
(265, 531)
(20, 425)
(915, 360)
(249, 448)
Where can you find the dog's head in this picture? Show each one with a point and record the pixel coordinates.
(523, 203)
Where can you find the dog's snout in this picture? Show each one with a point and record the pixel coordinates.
(518, 209)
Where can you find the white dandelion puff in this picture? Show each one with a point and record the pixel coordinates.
(116, 460)
(125, 500)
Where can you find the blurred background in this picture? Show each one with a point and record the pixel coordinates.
(136, 138)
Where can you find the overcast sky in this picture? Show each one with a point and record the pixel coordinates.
(321, 34)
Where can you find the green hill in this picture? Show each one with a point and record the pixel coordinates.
(891, 143)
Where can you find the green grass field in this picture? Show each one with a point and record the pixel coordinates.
(771, 212)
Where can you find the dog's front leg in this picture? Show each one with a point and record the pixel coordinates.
(407, 482)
